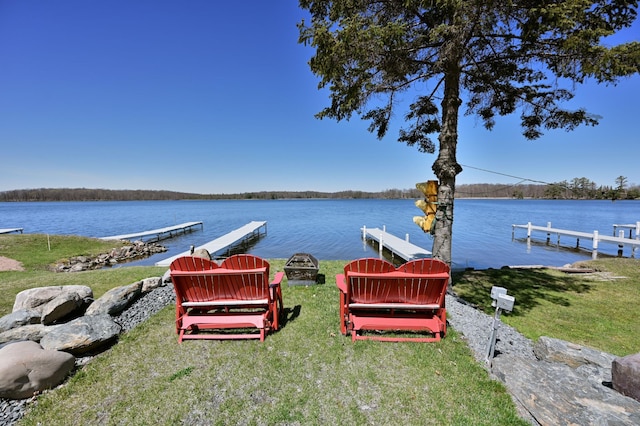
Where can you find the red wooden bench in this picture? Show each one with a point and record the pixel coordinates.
(235, 295)
(376, 296)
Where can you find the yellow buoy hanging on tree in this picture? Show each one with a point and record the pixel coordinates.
(428, 205)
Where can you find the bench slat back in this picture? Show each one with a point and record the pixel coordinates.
(201, 280)
(419, 282)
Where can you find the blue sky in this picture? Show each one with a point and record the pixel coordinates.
(217, 97)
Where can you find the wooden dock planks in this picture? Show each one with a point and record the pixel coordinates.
(595, 237)
(159, 233)
(10, 230)
(397, 246)
(223, 242)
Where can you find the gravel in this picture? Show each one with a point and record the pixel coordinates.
(474, 325)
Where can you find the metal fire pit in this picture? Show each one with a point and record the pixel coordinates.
(301, 269)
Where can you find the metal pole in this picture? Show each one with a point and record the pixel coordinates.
(494, 334)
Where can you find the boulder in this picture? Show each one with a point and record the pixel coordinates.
(36, 298)
(68, 304)
(150, 284)
(19, 318)
(554, 393)
(82, 335)
(203, 253)
(625, 375)
(26, 368)
(33, 332)
(571, 354)
(115, 300)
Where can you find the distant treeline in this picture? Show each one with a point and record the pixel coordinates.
(576, 189)
(86, 194)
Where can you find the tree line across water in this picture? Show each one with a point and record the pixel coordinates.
(578, 188)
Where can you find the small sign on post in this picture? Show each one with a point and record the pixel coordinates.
(502, 302)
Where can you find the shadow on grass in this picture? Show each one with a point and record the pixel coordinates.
(528, 286)
(290, 314)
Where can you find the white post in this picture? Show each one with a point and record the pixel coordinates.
(621, 246)
(548, 233)
(406, 237)
(637, 230)
(529, 230)
(384, 228)
(364, 232)
(594, 255)
(380, 245)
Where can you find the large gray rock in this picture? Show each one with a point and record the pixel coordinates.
(68, 304)
(203, 253)
(19, 318)
(38, 298)
(33, 332)
(571, 354)
(150, 284)
(555, 394)
(82, 335)
(625, 374)
(115, 300)
(25, 368)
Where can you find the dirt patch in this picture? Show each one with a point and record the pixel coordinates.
(7, 264)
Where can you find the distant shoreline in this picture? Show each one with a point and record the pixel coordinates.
(464, 192)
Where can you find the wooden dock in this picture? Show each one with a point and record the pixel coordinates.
(160, 233)
(246, 232)
(10, 230)
(595, 237)
(397, 246)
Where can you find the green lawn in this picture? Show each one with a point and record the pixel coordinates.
(598, 310)
(306, 373)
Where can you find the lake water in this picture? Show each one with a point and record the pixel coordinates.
(330, 229)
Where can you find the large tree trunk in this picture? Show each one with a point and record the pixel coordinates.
(446, 166)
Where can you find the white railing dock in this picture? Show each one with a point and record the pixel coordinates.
(632, 227)
(246, 232)
(595, 237)
(160, 233)
(9, 230)
(397, 246)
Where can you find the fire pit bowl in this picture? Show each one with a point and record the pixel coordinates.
(301, 269)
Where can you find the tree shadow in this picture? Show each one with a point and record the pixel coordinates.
(528, 286)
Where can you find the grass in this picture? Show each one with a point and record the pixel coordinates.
(308, 373)
(597, 310)
(32, 250)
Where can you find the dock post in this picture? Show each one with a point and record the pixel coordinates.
(529, 230)
(548, 233)
(595, 245)
(364, 233)
(621, 246)
(406, 237)
(637, 231)
(380, 245)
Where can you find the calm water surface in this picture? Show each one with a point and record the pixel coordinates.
(330, 229)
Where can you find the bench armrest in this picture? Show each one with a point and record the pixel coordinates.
(341, 283)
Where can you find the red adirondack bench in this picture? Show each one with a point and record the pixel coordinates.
(376, 296)
(235, 295)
